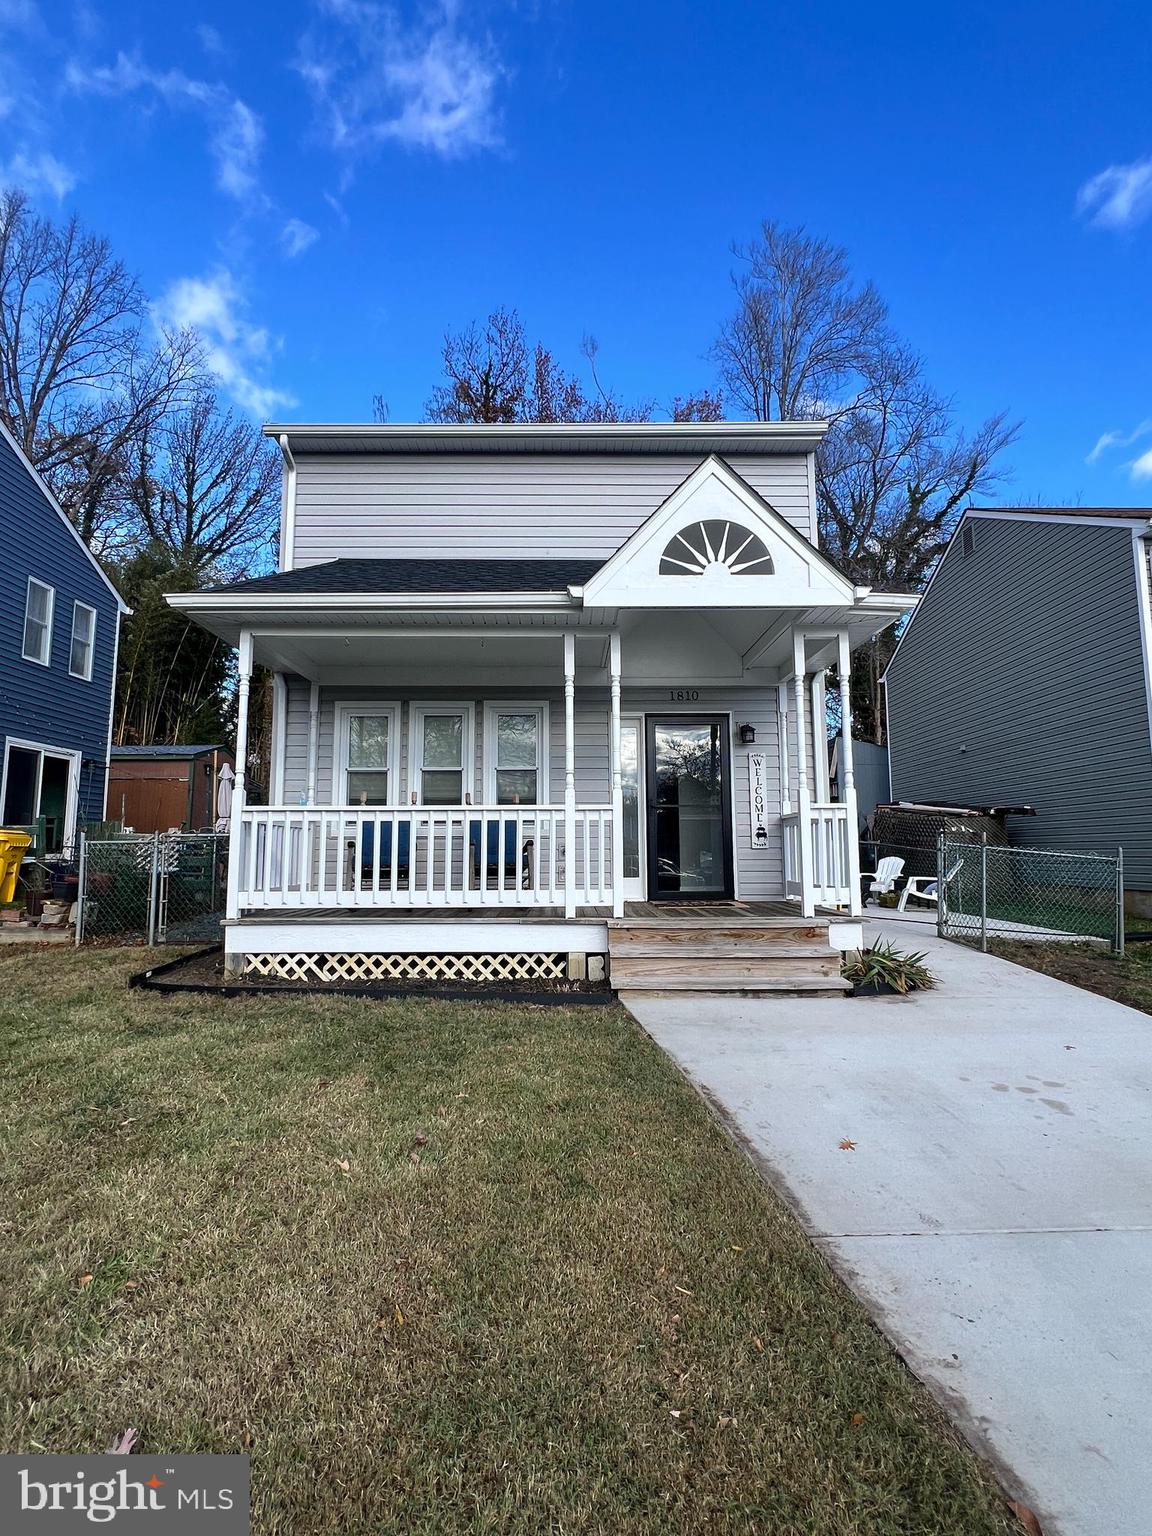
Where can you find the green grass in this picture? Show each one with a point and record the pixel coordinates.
(546, 1295)
(1125, 978)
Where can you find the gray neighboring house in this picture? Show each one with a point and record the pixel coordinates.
(1023, 678)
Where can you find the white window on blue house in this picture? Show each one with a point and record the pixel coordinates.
(83, 641)
(38, 622)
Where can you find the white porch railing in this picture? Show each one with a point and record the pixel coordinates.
(420, 856)
(826, 845)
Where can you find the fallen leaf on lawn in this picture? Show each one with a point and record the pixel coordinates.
(1026, 1518)
(682, 1291)
(124, 1444)
(344, 1166)
(131, 1285)
(847, 1146)
(675, 1412)
(758, 1344)
(413, 1156)
(399, 1317)
(858, 1419)
(421, 1138)
(724, 1420)
(246, 1439)
(84, 1280)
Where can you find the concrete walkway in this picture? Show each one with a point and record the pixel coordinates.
(995, 1210)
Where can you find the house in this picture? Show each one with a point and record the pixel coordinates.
(1023, 679)
(536, 687)
(59, 628)
(160, 788)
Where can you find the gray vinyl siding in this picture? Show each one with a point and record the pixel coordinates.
(759, 873)
(46, 704)
(473, 506)
(1021, 682)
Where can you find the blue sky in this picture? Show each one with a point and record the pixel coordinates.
(325, 185)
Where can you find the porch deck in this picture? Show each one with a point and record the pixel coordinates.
(666, 914)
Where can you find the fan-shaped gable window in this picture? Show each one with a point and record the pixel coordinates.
(716, 549)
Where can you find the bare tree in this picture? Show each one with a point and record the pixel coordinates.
(79, 375)
(895, 470)
(493, 374)
(704, 405)
(204, 486)
(802, 330)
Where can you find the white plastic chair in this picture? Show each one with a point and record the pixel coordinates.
(888, 871)
(926, 887)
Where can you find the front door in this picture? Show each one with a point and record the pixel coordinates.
(689, 809)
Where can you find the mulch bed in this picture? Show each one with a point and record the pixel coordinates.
(203, 971)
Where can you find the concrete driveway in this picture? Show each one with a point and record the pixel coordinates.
(995, 1209)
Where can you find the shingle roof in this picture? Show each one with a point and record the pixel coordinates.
(165, 749)
(424, 576)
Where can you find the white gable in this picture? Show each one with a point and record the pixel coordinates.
(715, 543)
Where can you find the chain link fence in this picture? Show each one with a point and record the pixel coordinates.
(159, 888)
(986, 891)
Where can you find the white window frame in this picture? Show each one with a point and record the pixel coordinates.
(88, 608)
(45, 660)
(45, 749)
(537, 707)
(345, 709)
(418, 709)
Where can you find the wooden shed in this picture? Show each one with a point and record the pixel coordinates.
(160, 788)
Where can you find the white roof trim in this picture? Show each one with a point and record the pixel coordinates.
(247, 602)
(805, 435)
(713, 468)
(1121, 520)
(43, 486)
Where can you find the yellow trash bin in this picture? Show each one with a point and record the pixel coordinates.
(13, 847)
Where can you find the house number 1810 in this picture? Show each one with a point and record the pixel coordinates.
(683, 695)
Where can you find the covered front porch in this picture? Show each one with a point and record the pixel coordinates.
(559, 771)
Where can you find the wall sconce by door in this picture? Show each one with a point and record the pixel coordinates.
(747, 734)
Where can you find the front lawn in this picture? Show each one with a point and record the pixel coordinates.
(1125, 978)
(439, 1267)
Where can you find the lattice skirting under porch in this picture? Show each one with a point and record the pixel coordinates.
(356, 967)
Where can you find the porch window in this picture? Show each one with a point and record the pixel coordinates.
(368, 747)
(443, 744)
(516, 751)
(83, 641)
(38, 622)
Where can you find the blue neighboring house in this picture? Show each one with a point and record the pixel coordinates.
(59, 630)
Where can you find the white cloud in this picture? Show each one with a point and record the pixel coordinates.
(22, 14)
(237, 352)
(237, 133)
(1108, 440)
(37, 171)
(210, 40)
(296, 237)
(1141, 468)
(376, 79)
(1119, 196)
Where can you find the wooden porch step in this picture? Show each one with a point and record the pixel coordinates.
(709, 973)
(800, 939)
(780, 986)
(723, 951)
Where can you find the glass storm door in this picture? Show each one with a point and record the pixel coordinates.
(689, 819)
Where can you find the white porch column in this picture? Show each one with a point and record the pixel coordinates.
(848, 772)
(235, 824)
(803, 790)
(314, 740)
(569, 774)
(617, 779)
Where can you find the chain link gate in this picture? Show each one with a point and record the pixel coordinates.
(990, 891)
(159, 888)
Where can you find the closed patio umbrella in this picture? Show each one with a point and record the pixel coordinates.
(224, 780)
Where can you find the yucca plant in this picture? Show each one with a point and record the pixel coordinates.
(884, 966)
